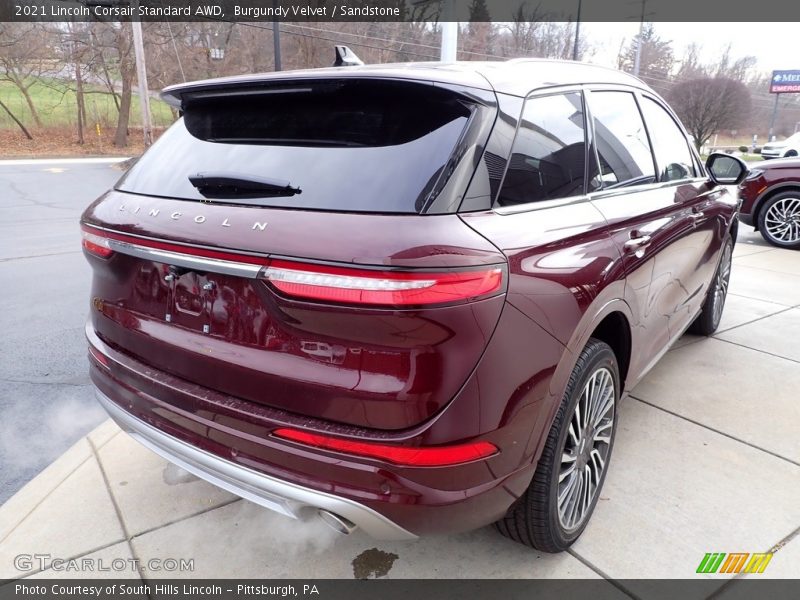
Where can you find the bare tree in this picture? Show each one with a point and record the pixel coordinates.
(16, 120)
(532, 33)
(22, 59)
(691, 67)
(709, 104)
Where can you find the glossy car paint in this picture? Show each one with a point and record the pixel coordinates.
(777, 176)
(493, 370)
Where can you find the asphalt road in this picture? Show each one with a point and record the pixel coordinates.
(46, 402)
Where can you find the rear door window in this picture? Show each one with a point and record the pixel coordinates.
(670, 147)
(622, 144)
(548, 156)
(354, 145)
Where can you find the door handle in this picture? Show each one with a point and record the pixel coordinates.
(637, 242)
(637, 245)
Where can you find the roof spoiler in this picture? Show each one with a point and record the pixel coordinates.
(346, 57)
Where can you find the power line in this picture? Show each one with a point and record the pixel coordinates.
(319, 37)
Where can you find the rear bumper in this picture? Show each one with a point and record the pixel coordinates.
(280, 496)
(228, 442)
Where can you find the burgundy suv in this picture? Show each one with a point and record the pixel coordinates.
(771, 201)
(405, 298)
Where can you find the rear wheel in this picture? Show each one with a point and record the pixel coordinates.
(711, 313)
(779, 220)
(556, 507)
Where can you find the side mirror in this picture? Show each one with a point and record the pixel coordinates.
(725, 169)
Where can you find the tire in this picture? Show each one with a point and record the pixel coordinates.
(710, 315)
(779, 220)
(535, 519)
(790, 154)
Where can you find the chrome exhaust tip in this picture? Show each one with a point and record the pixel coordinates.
(335, 522)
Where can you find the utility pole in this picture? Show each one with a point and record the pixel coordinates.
(276, 40)
(276, 44)
(141, 73)
(577, 31)
(638, 61)
(772, 120)
(449, 51)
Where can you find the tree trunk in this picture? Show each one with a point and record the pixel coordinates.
(16, 120)
(31, 106)
(121, 136)
(79, 98)
(107, 77)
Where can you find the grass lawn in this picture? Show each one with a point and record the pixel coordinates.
(59, 109)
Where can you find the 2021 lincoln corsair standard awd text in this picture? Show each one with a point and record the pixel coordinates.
(405, 298)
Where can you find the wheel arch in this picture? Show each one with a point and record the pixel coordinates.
(615, 330)
(611, 320)
(769, 193)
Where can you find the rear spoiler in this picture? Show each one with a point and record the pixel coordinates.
(348, 67)
(174, 95)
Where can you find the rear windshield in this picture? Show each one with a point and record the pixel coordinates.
(365, 146)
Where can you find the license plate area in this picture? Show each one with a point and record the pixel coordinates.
(191, 298)
(189, 295)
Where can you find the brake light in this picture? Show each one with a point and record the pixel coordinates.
(363, 286)
(431, 456)
(308, 281)
(96, 244)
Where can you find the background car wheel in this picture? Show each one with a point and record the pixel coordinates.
(790, 154)
(711, 314)
(779, 220)
(556, 507)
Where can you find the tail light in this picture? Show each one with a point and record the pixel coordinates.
(96, 244)
(430, 456)
(383, 288)
(321, 283)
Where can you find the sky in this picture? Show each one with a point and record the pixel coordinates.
(773, 44)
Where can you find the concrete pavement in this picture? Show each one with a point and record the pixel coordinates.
(45, 399)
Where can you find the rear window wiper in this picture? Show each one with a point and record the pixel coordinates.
(235, 185)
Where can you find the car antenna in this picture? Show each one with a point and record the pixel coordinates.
(346, 57)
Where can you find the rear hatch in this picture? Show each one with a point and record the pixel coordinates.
(273, 245)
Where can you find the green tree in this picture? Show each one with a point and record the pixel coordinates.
(656, 58)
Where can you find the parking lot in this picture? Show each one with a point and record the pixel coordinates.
(707, 456)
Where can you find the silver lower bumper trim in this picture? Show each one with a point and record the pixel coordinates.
(280, 496)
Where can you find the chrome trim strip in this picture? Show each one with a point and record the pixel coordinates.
(275, 494)
(199, 263)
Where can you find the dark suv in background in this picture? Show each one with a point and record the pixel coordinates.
(771, 201)
(405, 298)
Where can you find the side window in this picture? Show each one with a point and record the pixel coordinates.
(549, 151)
(622, 146)
(672, 152)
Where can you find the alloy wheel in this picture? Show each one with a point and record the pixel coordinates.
(586, 449)
(782, 220)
